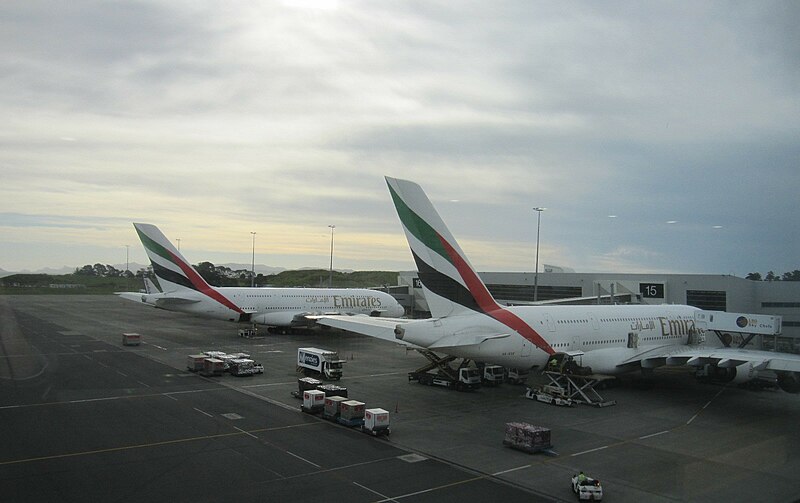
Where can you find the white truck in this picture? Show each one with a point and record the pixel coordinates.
(493, 375)
(468, 379)
(319, 362)
(517, 376)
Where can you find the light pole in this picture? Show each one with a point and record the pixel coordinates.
(538, 211)
(127, 266)
(253, 263)
(330, 271)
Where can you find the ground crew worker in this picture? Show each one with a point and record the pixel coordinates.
(581, 479)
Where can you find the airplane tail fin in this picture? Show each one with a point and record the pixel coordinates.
(450, 283)
(173, 271)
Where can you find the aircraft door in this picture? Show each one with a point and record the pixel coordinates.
(548, 320)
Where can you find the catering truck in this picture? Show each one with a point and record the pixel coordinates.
(319, 362)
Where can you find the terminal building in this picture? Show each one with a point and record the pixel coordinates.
(705, 291)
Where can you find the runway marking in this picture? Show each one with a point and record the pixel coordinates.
(386, 498)
(202, 412)
(144, 384)
(591, 450)
(432, 489)
(122, 374)
(155, 444)
(246, 433)
(704, 407)
(511, 470)
(119, 397)
(654, 434)
(154, 345)
(302, 459)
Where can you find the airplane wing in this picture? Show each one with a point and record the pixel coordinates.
(719, 357)
(380, 328)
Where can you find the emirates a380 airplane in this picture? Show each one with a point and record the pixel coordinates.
(184, 290)
(468, 323)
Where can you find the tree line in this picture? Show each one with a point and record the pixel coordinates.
(771, 276)
(225, 276)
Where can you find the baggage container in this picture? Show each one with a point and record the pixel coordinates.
(213, 367)
(332, 408)
(313, 401)
(351, 413)
(195, 363)
(376, 422)
(131, 339)
(527, 437)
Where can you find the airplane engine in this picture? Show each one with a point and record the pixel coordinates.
(281, 319)
(736, 375)
(789, 381)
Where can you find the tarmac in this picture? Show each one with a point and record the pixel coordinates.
(85, 418)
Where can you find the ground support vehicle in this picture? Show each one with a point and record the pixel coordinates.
(579, 388)
(461, 378)
(131, 339)
(517, 376)
(319, 362)
(249, 333)
(333, 390)
(493, 375)
(351, 413)
(313, 401)
(376, 422)
(527, 437)
(466, 379)
(554, 395)
(305, 384)
(586, 488)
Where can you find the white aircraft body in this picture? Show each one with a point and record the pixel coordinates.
(468, 323)
(184, 290)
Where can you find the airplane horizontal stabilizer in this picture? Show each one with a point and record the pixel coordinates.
(462, 339)
(174, 301)
(134, 296)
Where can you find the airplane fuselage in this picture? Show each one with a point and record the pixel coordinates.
(277, 306)
(608, 336)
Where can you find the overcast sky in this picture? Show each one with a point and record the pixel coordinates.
(661, 136)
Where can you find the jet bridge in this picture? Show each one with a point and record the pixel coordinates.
(749, 325)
